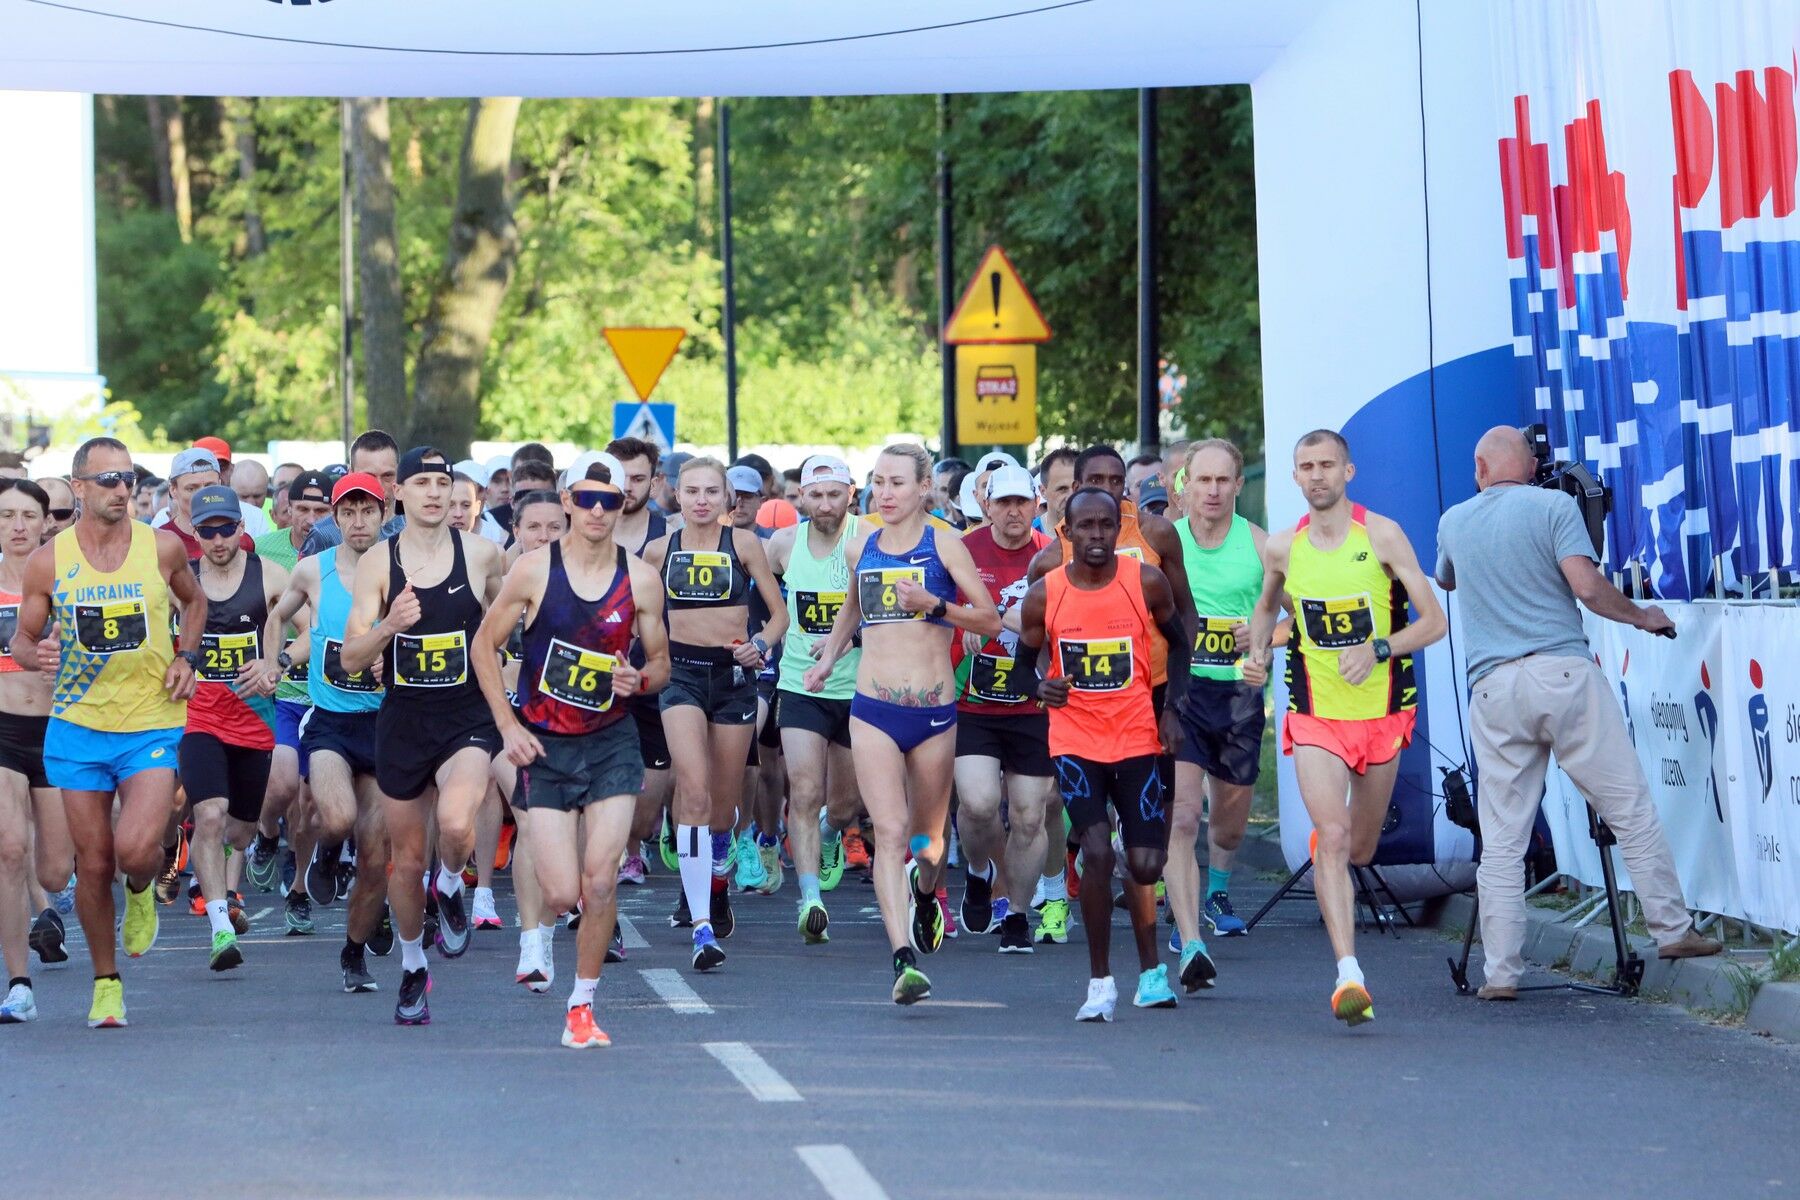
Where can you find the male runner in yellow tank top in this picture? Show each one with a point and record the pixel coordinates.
(1346, 574)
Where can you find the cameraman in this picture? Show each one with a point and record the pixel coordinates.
(1522, 558)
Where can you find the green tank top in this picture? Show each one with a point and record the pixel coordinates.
(278, 547)
(815, 591)
(1226, 583)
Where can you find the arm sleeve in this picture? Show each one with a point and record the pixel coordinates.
(1567, 531)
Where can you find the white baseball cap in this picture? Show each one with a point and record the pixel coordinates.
(826, 468)
(971, 507)
(578, 470)
(1010, 479)
(473, 470)
(995, 458)
(497, 464)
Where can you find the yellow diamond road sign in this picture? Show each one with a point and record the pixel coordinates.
(644, 354)
(996, 395)
(996, 307)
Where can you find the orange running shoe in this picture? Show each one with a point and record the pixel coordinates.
(470, 875)
(580, 1032)
(1072, 877)
(1351, 1004)
(181, 847)
(1312, 846)
(197, 906)
(856, 851)
(503, 853)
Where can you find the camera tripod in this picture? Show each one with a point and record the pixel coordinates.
(1369, 884)
(1628, 974)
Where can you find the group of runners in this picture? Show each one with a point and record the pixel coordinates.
(397, 687)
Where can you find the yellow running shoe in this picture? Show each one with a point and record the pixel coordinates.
(108, 1011)
(1351, 1004)
(138, 933)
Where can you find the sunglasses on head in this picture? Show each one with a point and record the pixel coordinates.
(110, 479)
(610, 501)
(222, 529)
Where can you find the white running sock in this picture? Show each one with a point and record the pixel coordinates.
(1348, 971)
(219, 913)
(1056, 887)
(986, 873)
(412, 954)
(694, 850)
(449, 882)
(583, 992)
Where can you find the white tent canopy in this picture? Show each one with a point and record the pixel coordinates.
(580, 48)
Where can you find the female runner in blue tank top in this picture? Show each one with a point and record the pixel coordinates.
(903, 715)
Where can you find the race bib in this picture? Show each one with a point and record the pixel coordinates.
(576, 677)
(815, 611)
(878, 591)
(1339, 623)
(223, 654)
(514, 650)
(1096, 666)
(431, 660)
(1214, 643)
(1129, 552)
(997, 679)
(111, 628)
(698, 575)
(335, 675)
(9, 625)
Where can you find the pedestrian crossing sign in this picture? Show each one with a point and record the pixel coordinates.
(653, 423)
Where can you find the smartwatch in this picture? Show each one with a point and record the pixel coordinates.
(192, 658)
(937, 613)
(1383, 651)
(762, 647)
(285, 661)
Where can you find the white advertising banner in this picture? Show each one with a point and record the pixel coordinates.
(1759, 767)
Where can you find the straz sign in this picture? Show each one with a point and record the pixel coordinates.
(996, 394)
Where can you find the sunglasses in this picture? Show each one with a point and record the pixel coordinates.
(61, 514)
(110, 479)
(610, 501)
(224, 529)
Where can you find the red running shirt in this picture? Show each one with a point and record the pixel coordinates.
(1100, 642)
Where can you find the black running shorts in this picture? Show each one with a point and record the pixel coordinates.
(22, 747)
(1222, 729)
(212, 770)
(1021, 743)
(575, 771)
(414, 739)
(830, 719)
(1134, 787)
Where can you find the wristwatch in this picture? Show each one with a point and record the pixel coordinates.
(762, 647)
(1383, 651)
(284, 660)
(943, 606)
(192, 657)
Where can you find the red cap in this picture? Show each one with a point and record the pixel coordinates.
(221, 449)
(358, 481)
(777, 513)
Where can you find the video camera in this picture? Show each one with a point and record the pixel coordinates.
(1592, 497)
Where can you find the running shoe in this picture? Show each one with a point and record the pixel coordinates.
(1072, 875)
(831, 860)
(632, 870)
(615, 949)
(471, 875)
(1102, 998)
(978, 903)
(503, 851)
(288, 870)
(1197, 969)
(108, 1009)
(681, 918)
(574, 921)
(997, 913)
(580, 1032)
(665, 847)
(47, 935)
(234, 909)
(168, 881)
(225, 953)
(356, 971)
(381, 942)
(813, 923)
(299, 916)
(1224, 922)
(482, 913)
(910, 983)
(856, 849)
(138, 932)
(707, 954)
(1351, 1004)
(453, 923)
(773, 873)
(346, 877)
(924, 919)
(942, 896)
(532, 971)
(1053, 923)
(196, 905)
(1153, 990)
(259, 863)
(322, 875)
(1015, 934)
(412, 1007)
(752, 874)
(64, 901)
(19, 1006)
(722, 920)
(1174, 941)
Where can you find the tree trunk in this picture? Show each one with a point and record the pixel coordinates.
(706, 153)
(159, 146)
(484, 247)
(179, 178)
(378, 259)
(237, 128)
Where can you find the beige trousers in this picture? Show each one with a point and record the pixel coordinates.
(1521, 712)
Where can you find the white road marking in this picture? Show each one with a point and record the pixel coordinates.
(675, 992)
(633, 939)
(260, 913)
(758, 1077)
(841, 1173)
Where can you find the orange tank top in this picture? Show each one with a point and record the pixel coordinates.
(1131, 544)
(1100, 642)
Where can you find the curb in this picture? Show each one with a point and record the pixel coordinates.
(1711, 987)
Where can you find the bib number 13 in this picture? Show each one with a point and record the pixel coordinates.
(1339, 623)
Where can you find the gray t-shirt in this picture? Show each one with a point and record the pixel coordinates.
(1503, 548)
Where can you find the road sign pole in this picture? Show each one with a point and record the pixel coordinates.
(946, 272)
(729, 318)
(346, 281)
(1149, 428)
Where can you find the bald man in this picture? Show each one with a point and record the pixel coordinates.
(1519, 558)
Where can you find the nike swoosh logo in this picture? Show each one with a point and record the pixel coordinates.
(940, 724)
(454, 590)
(917, 562)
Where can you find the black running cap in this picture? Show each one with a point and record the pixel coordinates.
(423, 460)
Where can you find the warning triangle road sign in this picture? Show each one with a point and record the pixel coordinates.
(644, 354)
(996, 307)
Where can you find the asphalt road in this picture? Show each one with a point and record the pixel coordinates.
(789, 1073)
